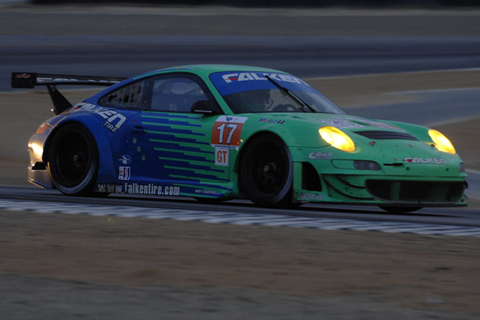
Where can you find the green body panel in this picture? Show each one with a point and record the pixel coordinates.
(340, 181)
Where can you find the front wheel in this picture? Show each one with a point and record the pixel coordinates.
(266, 171)
(73, 160)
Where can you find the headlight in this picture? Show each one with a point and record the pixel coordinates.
(441, 142)
(337, 138)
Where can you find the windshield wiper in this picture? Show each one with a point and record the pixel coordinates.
(291, 95)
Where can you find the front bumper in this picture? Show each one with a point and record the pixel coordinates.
(333, 180)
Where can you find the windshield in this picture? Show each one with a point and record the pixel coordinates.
(252, 92)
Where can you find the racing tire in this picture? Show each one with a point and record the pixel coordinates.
(400, 210)
(72, 159)
(266, 172)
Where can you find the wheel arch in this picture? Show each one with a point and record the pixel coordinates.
(244, 150)
(247, 144)
(106, 170)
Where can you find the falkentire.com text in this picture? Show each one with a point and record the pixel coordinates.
(137, 188)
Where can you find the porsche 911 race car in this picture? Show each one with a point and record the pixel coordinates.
(219, 132)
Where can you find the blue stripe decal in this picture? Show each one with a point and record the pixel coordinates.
(188, 174)
(213, 185)
(184, 164)
(175, 146)
(171, 130)
(173, 138)
(181, 123)
(179, 155)
(169, 115)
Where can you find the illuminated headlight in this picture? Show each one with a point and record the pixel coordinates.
(337, 138)
(441, 142)
(366, 165)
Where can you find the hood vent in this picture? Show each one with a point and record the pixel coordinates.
(386, 135)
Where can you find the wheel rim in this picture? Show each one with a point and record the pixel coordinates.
(72, 160)
(269, 169)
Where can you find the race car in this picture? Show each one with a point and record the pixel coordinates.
(220, 132)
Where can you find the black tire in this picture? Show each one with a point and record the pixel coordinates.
(266, 171)
(400, 210)
(72, 159)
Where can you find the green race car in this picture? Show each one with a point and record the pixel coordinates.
(219, 132)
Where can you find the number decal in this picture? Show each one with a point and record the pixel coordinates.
(226, 131)
(220, 129)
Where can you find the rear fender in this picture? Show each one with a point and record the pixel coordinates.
(106, 170)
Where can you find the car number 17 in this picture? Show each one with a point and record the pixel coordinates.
(226, 131)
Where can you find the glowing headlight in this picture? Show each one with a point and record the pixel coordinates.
(441, 142)
(337, 139)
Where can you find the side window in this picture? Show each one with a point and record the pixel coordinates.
(176, 94)
(129, 97)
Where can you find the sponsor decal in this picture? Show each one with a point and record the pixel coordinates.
(211, 192)
(23, 76)
(226, 131)
(317, 155)
(125, 159)
(261, 76)
(425, 160)
(124, 173)
(222, 156)
(265, 120)
(310, 197)
(341, 123)
(113, 119)
(138, 188)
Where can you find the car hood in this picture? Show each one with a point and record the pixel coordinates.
(341, 121)
(301, 129)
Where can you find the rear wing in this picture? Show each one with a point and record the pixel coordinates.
(29, 80)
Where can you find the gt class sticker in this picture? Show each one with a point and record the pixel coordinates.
(221, 157)
(226, 131)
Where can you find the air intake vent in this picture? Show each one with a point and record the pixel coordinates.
(386, 135)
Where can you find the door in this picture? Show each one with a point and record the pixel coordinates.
(175, 146)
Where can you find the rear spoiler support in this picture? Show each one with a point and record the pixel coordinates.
(28, 80)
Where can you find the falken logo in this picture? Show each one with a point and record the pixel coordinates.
(252, 76)
(113, 119)
(425, 160)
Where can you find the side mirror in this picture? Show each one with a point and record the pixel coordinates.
(205, 107)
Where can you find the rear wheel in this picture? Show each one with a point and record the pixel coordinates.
(400, 209)
(73, 160)
(266, 171)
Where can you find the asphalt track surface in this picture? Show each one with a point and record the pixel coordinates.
(140, 206)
